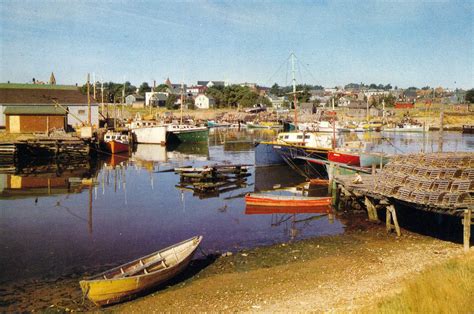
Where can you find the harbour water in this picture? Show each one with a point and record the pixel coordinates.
(58, 219)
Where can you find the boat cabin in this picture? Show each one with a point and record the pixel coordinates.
(307, 139)
(108, 137)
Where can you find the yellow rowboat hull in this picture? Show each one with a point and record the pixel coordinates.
(102, 290)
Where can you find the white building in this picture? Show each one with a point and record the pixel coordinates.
(204, 102)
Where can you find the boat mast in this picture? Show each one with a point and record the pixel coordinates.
(182, 99)
(294, 89)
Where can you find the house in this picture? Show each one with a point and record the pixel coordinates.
(344, 101)
(358, 109)
(204, 102)
(211, 83)
(156, 99)
(136, 101)
(34, 119)
(175, 89)
(195, 90)
(31, 95)
(277, 102)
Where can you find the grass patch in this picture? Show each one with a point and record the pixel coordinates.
(37, 86)
(445, 288)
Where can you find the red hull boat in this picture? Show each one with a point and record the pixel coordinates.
(265, 210)
(351, 159)
(285, 201)
(116, 147)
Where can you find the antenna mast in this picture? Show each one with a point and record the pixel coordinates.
(293, 57)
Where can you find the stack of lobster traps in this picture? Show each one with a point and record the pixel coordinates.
(437, 179)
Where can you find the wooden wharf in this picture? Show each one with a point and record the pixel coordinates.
(438, 182)
(210, 181)
(44, 147)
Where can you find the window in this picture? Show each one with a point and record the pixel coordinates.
(306, 136)
(81, 111)
(299, 137)
(287, 137)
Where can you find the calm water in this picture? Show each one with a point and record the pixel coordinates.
(60, 219)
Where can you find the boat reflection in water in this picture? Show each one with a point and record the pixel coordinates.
(188, 151)
(293, 219)
(148, 156)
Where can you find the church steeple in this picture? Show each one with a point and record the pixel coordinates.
(52, 79)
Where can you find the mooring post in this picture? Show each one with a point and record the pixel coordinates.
(467, 228)
(393, 214)
(371, 210)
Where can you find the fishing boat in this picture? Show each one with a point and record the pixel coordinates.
(287, 201)
(255, 125)
(405, 127)
(184, 133)
(116, 142)
(126, 281)
(369, 159)
(148, 132)
(215, 124)
(349, 153)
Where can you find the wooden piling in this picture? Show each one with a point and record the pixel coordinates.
(371, 210)
(467, 228)
(392, 215)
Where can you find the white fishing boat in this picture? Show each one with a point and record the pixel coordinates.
(148, 132)
(405, 127)
(306, 139)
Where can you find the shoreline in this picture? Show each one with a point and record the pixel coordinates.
(341, 272)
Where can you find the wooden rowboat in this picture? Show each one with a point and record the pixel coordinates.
(278, 200)
(127, 280)
(318, 182)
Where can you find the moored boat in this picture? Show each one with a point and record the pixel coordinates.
(116, 142)
(126, 281)
(148, 132)
(349, 153)
(287, 201)
(405, 127)
(369, 159)
(183, 133)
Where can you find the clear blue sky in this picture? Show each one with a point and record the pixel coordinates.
(404, 43)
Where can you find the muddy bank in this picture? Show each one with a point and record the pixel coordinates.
(334, 272)
(329, 273)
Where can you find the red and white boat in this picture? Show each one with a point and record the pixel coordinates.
(286, 201)
(116, 142)
(349, 153)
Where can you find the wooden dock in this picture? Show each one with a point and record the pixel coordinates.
(439, 182)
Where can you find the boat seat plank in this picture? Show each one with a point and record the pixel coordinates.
(141, 268)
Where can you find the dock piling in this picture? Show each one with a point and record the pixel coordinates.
(392, 215)
(371, 210)
(467, 221)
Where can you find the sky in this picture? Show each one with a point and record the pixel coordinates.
(402, 43)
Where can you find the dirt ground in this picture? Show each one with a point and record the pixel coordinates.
(337, 273)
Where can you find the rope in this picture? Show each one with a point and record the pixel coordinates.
(390, 142)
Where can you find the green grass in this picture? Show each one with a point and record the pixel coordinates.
(37, 86)
(445, 288)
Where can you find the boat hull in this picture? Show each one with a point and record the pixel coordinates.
(267, 155)
(344, 158)
(285, 201)
(109, 291)
(367, 160)
(150, 135)
(266, 210)
(188, 136)
(115, 147)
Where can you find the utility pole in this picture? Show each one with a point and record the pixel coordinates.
(93, 77)
(88, 101)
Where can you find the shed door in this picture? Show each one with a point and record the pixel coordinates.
(14, 124)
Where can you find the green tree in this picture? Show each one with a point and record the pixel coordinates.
(161, 88)
(275, 89)
(470, 96)
(144, 88)
(170, 101)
